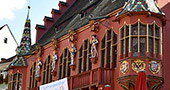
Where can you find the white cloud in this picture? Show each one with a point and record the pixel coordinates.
(7, 8)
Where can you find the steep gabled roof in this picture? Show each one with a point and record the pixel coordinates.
(72, 18)
(9, 31)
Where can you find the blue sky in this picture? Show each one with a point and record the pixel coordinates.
(14, 12)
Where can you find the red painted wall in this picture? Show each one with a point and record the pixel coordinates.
(165, 5)
(87, 34)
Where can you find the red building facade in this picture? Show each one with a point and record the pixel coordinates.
(94, 44)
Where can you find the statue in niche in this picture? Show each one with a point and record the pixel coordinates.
(73, 51)
(94, 43)
(38, 67)
(54, 62)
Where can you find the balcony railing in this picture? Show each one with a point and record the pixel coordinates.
(99, 76)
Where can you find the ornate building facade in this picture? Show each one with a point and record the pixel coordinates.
(94, 44)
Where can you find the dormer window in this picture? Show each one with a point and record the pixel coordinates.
(91, 1)
(82, 15)
(57, 28)
(5, 40)
(113, 1)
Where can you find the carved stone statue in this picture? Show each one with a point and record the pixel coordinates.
(54, 62)
(94, 43)
(38, 67)
(73, 51)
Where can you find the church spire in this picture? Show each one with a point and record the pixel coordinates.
(27, 19)
(25, 43)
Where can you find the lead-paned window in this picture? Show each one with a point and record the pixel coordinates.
(32, 78)
(140, 36)
(15, 81)
(47, 77)
(108, 49)
(84, 61)
(64, 63)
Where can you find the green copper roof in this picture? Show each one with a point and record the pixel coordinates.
(140, 5)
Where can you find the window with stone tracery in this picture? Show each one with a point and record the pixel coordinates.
(64, 64)
(84, 61)
(15, 81)
(108, 50)
(47, 77)
(138, 39)
(32, 78)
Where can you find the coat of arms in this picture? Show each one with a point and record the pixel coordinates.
(154, 67)
(124, 67)
(138, 65)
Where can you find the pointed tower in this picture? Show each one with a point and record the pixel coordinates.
(25, 43)
(141, 23)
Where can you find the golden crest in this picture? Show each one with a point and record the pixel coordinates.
(124, 66)
(72, 35)
(55, 44)
(94, 26)
(154, 67)
(138, 65)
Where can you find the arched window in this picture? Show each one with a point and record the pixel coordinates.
(84, 62)
(47, 77)
(64, 63)
(138, 39)
(15, 81)
(108, 50)
(32, 80)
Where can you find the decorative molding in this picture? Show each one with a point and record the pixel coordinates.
(39, 51)
(94, 26)
(94, 60)
(72, 36)
(153, 82)
(72, 66)
(55, 44)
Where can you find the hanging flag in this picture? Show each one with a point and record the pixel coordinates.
(141, 83)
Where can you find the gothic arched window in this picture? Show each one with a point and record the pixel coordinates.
(84, 62)
(108, 50)
(15, 81)
(32, 80)
(64, 62)
(47, 77)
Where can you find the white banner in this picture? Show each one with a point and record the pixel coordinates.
(57, 85)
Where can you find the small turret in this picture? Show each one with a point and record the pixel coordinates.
(141, 5)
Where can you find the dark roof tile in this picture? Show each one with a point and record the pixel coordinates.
(72, 18)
